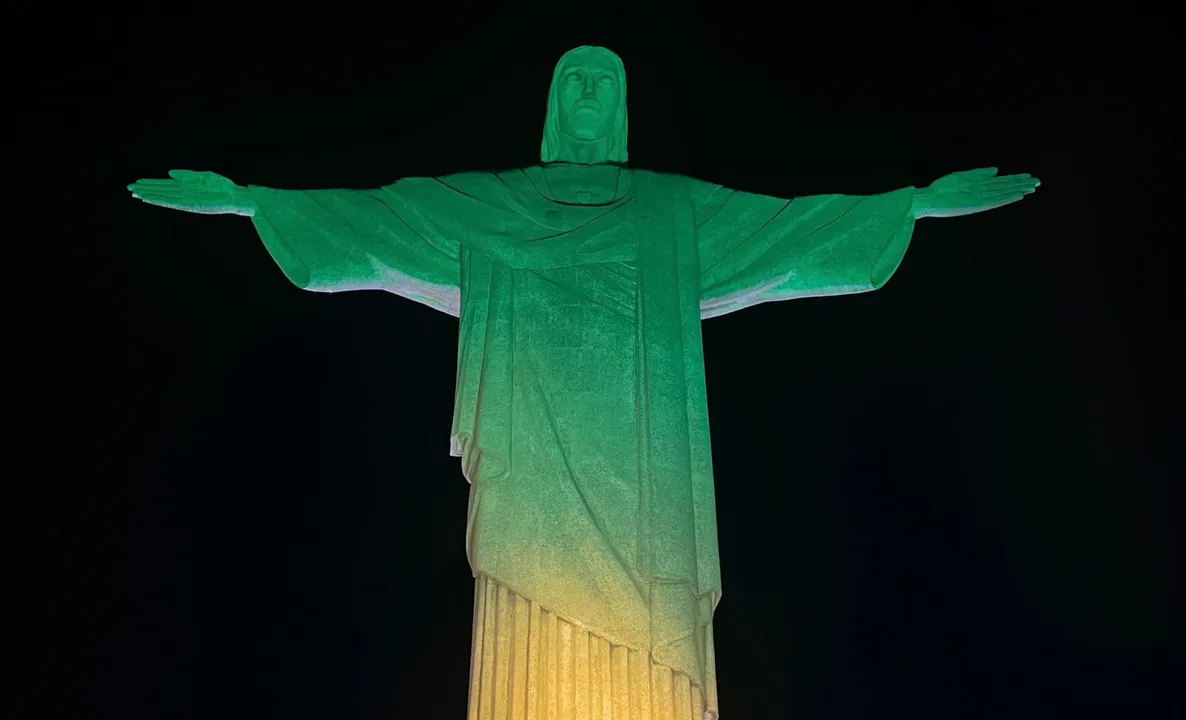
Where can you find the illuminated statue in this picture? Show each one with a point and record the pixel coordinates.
(580, 414)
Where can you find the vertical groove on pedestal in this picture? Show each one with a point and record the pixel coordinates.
(528, 664)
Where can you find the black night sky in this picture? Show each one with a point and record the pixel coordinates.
(951, 498)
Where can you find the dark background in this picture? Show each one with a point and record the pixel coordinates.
(951, 498)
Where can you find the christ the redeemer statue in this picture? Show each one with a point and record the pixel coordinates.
(580, 414)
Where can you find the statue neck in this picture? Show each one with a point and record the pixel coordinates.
(583, 153)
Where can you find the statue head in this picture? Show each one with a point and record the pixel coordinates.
(586, 120)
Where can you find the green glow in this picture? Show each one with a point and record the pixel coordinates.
(580, 414)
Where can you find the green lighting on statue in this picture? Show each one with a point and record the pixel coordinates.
(580, 413)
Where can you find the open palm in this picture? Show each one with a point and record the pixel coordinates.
(973, 191)
(197, 192)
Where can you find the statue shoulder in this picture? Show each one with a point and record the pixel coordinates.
(696, 190)
(677, 181)
(475, 183)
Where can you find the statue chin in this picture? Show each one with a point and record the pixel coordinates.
(585, 134)
(585, 127)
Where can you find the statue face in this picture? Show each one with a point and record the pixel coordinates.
(589, 95)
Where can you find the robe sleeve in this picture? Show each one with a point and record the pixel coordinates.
(755, 249)
(339, 240)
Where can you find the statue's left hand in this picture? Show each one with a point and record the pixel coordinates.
(971, 191)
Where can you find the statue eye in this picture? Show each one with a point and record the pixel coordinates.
(573, 76)
(606, 80)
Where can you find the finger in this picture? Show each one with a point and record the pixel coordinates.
(155, 181)
(1018, 175)
(1012, 181)
(157, 191)
(993, 185)
(980, 172)
(987, 202)
(184, 174)
(160, 202)
(1003, 202)
(996, 196)
(169, 186)
(1010, 178)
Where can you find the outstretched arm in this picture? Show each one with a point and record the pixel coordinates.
(971, 191)
(756, 249)
(337, 240)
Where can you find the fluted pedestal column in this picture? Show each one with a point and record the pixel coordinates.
(529, 664)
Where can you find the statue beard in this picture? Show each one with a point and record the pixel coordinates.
(583, 128)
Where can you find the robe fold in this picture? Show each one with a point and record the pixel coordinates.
(580, 414)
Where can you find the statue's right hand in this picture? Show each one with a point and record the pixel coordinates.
(197, 192)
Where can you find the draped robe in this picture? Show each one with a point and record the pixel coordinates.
(580, 413)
